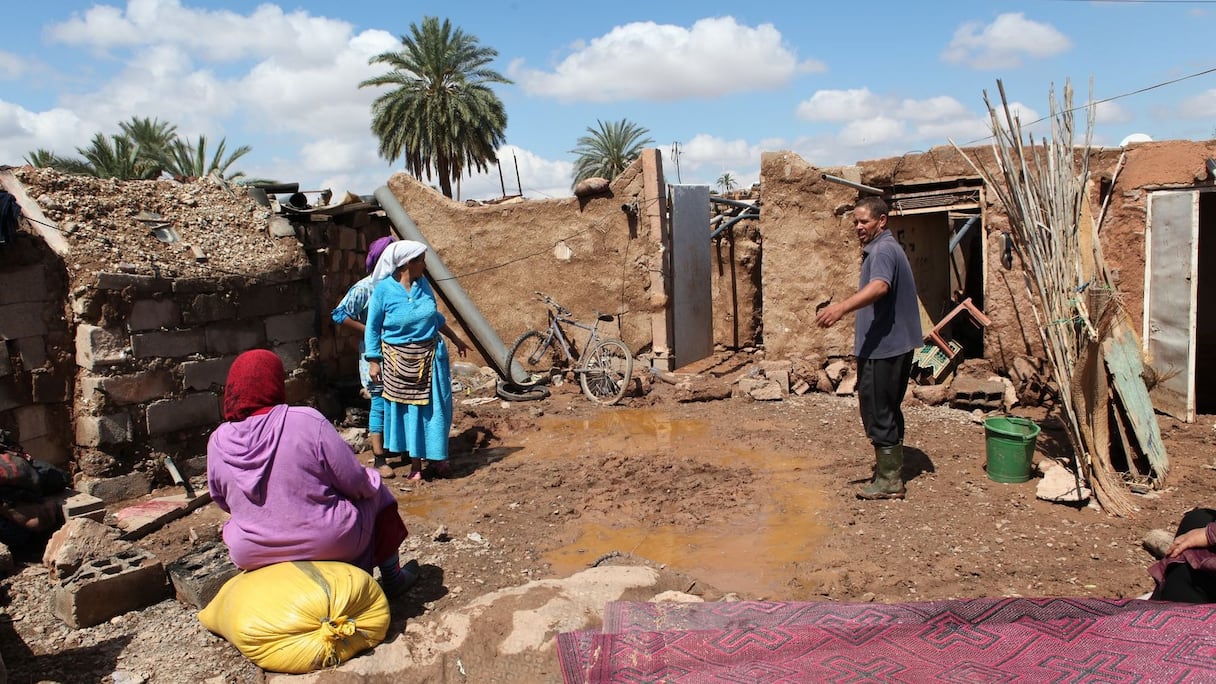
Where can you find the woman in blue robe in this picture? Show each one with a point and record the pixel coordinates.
(405, 351)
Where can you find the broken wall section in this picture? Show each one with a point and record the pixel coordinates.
(153, 356)
(36, 366)
(588, 253)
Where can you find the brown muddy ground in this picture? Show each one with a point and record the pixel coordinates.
(754, 499)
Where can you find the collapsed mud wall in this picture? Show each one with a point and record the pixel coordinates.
(118, 344)
(588, 253)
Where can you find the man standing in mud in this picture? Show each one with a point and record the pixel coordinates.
(886, 333)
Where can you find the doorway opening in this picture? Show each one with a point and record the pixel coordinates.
(940, 226)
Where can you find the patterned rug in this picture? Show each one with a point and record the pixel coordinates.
(976, 640)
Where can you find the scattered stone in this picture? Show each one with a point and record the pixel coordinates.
(1061, 486)
(1157, 542)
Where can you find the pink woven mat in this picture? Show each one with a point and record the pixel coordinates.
(978, 640)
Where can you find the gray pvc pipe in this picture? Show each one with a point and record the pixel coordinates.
(856, 186)
(488, 344)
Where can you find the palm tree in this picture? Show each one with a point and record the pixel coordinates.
(441, 115)
(43, 158)
(185, 160)
(116, 157)
(726, 182)
(154, 138)
(610, 150)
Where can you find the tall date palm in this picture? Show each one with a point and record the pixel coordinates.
(440, 116)
(608, 151)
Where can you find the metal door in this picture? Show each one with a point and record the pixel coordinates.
(692, 331)
(1170, 290)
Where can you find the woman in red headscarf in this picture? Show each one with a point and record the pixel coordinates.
(293, 487)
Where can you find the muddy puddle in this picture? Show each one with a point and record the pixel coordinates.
(755, 553)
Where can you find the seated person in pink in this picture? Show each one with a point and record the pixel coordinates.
(293, 487)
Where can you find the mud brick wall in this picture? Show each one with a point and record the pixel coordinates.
(35, 372)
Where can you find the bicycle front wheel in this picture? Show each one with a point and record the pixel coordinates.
(535, 353)
(606, 372)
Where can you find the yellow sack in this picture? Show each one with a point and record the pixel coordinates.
(300, 616)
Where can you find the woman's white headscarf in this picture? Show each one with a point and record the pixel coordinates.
(394, 257)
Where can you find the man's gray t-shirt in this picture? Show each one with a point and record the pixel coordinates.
(890, 326)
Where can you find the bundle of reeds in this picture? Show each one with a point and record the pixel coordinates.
(1043, 188)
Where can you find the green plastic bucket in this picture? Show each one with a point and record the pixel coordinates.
(1010, 446)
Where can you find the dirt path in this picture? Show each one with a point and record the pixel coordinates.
(748, 498)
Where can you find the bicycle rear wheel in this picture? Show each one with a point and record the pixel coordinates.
(535, 352)
(606, 372)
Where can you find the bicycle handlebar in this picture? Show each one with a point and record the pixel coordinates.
(553, 303)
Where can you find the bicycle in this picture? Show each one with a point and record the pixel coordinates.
(604, 365)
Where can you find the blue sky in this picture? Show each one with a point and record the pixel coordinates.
(719, 82)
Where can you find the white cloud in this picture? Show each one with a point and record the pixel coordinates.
(216, 35)
(1004, 43)
(1201, 106)
(539, 177)
(23, 131)
(12, 67)
(840, 105)
(932, 109)
(1109, 113)
(873, 131)
(649, 61)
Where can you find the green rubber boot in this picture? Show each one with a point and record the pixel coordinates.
(887, 483)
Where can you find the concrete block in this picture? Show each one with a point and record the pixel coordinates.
(49, 448)
(268, 300)
(140, 284)
(209, 308)
(781, 377)
(169, 344)
(234, 337)
(291, 327)
(848, 385)
(141, 519)
(191, 286)
(122, 390)
(25, 284)
(32, 352)
(198, 576)
(97, 347)
(191, 411)
(13, 393)
(103, 589)
(80, 541)
(120, 488)
(208, 374)
(32, 421)
(967, 392)
(114, 428)
(81, 505)
(24, 320)
(293, 353)
(836, 370)
(86, 303)
(769, 366)
(154, 314)
(49, 386)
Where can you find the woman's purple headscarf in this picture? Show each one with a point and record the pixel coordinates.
(375, 249)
